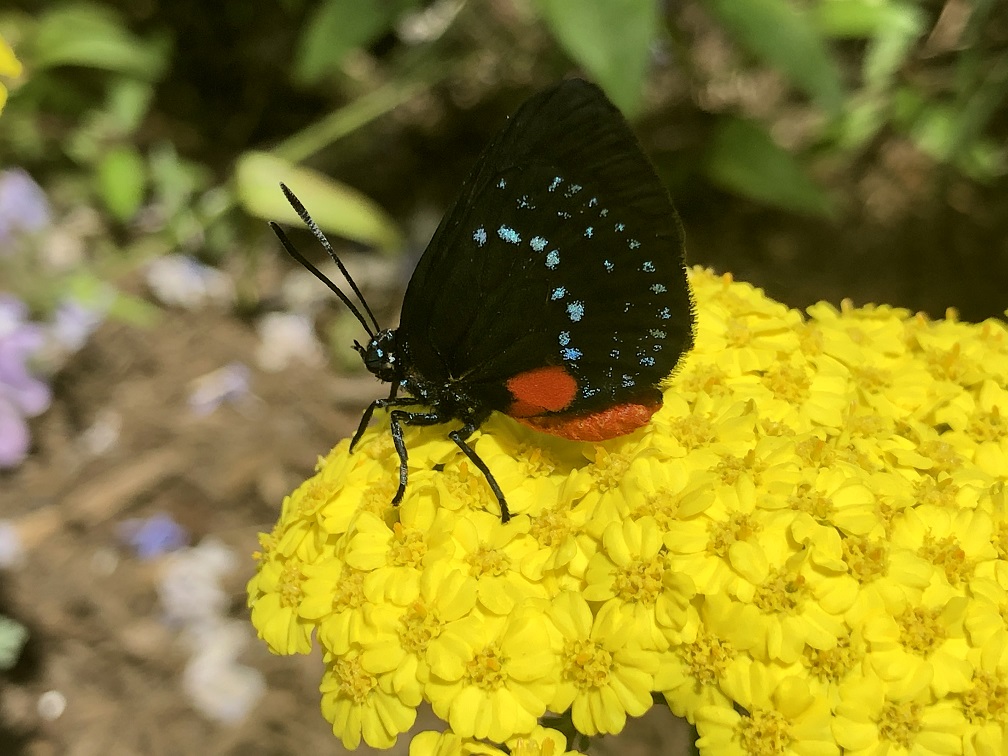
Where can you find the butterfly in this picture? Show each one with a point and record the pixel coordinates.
(554, 290)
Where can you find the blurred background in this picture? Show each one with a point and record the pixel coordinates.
(167, 374)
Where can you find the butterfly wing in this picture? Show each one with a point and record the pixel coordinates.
(555, 285)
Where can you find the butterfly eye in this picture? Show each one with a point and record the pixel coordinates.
(380, 356)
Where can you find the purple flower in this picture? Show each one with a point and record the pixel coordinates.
(154, 536)
(74, 322)
(21, 394)
(23, 204)
(227, 384)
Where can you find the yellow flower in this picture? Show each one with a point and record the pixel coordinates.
(605, 674)
(275, 595)
(805, 551)
(630, 574)
(362, 705)
(491, 677)
(394, 557)
(399, 640)
(540, 742)
(10, 67)
(870, 720)
(774, 714)
(493, 555)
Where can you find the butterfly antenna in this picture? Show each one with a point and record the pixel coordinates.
(292, 251)
(313, 227)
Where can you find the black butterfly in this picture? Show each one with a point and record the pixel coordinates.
(553, 291)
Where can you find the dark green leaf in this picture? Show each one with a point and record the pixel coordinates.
(777, 32)
(744, 159)
(612, 39)
(337, 27)
(95, 37)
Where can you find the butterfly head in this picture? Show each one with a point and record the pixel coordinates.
(380, 356)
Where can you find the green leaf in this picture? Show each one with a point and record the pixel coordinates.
(122, 179)
(91, 290)
(611, 39)
(336, 208)
(337, 27)
(13, 636)
(891, 45)
(94, 37)
(850, 19)
(777, 32)
(744, 159)
(127, 104)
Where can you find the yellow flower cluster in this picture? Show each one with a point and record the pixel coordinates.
(10, 67)
(806, 551)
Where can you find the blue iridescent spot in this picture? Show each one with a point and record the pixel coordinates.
(658, 288)
(556, 182)
(628, 381)
(648, 267)
(570, 353)
(592, 202)
(572, 190)
(508, 234)
(589, 231)
(620, 227)
(479, 236)
(634, 244)
(657, 333)
(501, 184)
(563, 214)
(564, 338)
(558, 293)
(538, 243)
(647, 361)
(525, 203)
(614, 354)
(603, 213)
(608, 265)
(656, 348)
(575, 310)
(664, 313)
(588, 391)
(552, 259)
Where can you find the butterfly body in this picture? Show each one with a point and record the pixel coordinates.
(554, 290)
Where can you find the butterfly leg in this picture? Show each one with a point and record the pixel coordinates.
(400, 418)
(459, 437)
(391, 401)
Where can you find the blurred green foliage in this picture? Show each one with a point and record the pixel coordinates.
(119, 106)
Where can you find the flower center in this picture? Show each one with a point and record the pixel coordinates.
(781, 592)
(789, 383)
(707, 657)
(900, 722)
(986, 700)
(354, 681)
(763, 733)
(488, 562)
(486, 670)
(949, 555)
(609, 469)
(407, 548)
(639, 582)
(289, 586)
(739, 527)
(865, 558)
(586, 664)
(418, 627)
(921, 630)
